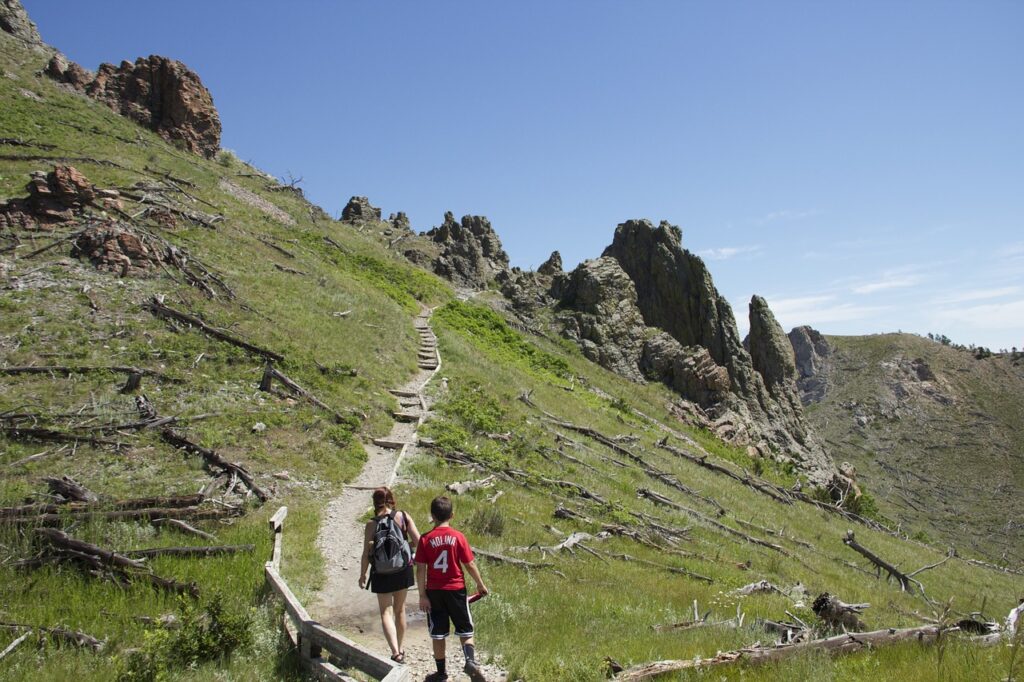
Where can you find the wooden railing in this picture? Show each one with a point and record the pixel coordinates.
(312, 639)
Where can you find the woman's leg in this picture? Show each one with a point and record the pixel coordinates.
(386, 602)
(400, 617)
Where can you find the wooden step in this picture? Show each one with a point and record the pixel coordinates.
(406, 416)
(391, 444)
(427, 366)
(409, 400)
(428, 356)
(403, 394)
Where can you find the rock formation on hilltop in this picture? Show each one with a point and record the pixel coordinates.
(15, 20)
(648, 309)
(471, 254)
(360, 210)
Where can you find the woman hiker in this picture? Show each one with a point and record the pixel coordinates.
(388, 556)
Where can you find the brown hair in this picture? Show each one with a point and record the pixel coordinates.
(383, 497)
(441, 509)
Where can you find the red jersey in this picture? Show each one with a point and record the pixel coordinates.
(444, 550)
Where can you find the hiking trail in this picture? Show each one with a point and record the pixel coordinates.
(341, 604)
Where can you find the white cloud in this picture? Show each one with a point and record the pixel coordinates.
(888, 281)
(977, 295)
(727, 252)
(816, 310)
(987, 317)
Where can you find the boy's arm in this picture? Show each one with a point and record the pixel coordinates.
(472, 569)
(421, 584)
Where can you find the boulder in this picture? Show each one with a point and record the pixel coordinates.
(471, 254)
(359, 210)
(14, 20)
(163, 95)
(116, 248)
(552, 266)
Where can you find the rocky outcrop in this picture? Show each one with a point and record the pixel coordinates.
(14, 20)
(53, 198)
(360, 210)
(771, 352)
(63, 70)
(601, 315)
(400, 222)
(163, 95)
(812, 356)
(118, 249)
(552, 266)
(471, 254)
(648, 309)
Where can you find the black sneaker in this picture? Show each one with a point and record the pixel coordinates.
(473, 670)
(436, 677)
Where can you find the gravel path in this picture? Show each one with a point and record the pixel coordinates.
(341, 604)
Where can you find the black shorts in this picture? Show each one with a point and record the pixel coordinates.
(391, 582)
(449, 607)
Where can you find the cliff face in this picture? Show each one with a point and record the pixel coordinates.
(471, 254)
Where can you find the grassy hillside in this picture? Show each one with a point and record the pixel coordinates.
(288, 281)
(941, 447)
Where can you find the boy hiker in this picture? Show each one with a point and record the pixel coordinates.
(440, 556)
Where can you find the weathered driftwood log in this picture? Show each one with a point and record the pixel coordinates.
(576, 488)
(126, 568)
(758, 587)
(160, 310)
(183, 527)
(188, 551)
(110, 505)
(270, 373)
(664, 567)
(57, 519)
(761, 654)
(837, 614)
(519, 563)
(70, 489)
(13, 645)
(660, 499)
(465, 486)
(61, 635)
(904, 580)
(214, 460)
(776, 493)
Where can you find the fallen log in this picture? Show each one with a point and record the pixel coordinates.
(837, 614)
(111, 505)
(183, 527)
(156, 307)
(660, 499)
(838, 644)
(893, 572)
(518, 563)
(270, 373)
(51, 436)
(62, 635)
(664, 567)
(214, 460)
(194, 513)
(13, 645)
(65, 370)
(70, 489)
(465, 486)
(574, 487)
(188, 551)
(760, 485)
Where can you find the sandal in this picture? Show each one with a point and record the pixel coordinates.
(399, 657)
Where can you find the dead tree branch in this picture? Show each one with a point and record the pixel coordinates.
(160, 310)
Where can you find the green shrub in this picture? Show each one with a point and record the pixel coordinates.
(488, 520)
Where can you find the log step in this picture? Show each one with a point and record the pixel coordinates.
(403, 394)
(406, 416)
(392, 444)
(410, 400)
(425, 366)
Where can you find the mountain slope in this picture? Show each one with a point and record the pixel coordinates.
(936, 434)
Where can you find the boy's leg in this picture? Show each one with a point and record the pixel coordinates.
(439, 626)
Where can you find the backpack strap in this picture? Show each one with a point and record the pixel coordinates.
(405, 522)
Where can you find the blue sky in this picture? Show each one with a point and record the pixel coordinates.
(861, 165)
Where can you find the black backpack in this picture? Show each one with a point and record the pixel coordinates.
(391, 552)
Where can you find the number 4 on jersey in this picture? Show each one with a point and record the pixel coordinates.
(441, 562)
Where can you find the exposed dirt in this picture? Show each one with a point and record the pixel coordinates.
(342, 605)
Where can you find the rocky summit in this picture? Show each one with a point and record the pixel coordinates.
(471, 253)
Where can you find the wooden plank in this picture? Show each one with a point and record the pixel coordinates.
(347, 652)
(291, 603)
(324, 670)
(400, 673)
(277, 520)
(275, 557)
(388, 443)
(403, 394)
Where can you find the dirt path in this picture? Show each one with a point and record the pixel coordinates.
(341, 604)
